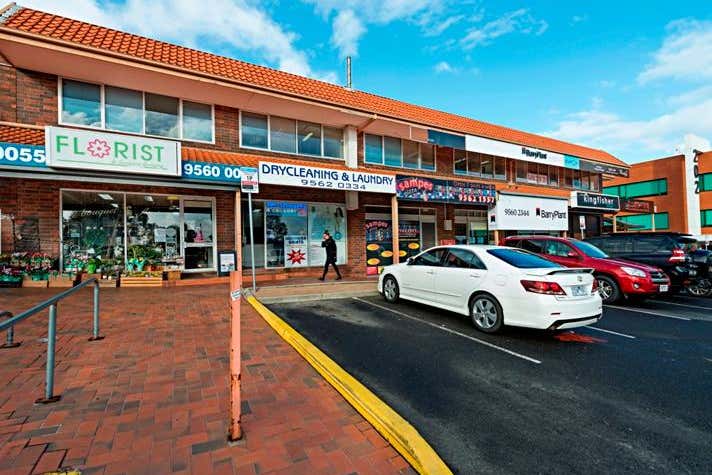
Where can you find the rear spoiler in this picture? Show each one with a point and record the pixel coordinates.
(581, 270)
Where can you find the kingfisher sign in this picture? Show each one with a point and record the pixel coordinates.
(101, 151)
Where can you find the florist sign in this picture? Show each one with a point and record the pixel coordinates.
(101, 151)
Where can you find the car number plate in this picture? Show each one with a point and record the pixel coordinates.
(579, 290)
(664, 288)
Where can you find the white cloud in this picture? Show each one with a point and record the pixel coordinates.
(351, 18)
(686, 53)
(636, 139)
(518, 21)
(444, 67)
(348, 29)
(234, 23)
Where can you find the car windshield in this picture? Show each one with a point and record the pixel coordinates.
(521, 259)
(589, 249)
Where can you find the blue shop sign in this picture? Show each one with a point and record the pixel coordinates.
(217, 172)
(22, 155)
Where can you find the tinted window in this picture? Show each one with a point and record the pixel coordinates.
(556, 248)
(463, 259)
(652, 244)
(589, 249)
(533, 246)
(521, 259)
(614, 245)
(513, 243)
(430, 258)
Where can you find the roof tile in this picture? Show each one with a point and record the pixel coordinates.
(93, 36)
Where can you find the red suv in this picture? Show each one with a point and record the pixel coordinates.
(616, 278)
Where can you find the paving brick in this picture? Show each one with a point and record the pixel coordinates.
(133, 403)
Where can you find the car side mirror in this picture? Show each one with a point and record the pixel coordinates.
(572, 255)
(409, 261)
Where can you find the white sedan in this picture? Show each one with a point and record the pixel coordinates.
(496, 286)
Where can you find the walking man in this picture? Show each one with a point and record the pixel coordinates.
(330, 245)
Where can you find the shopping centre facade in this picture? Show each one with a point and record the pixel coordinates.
(114, 144)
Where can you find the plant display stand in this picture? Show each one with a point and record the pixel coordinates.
(113, 282)
(28, 282)
(61, 280)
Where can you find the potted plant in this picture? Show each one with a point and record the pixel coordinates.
(92, 264)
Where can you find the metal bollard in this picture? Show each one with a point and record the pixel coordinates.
(95, 335)
(49, 377)
(10, 337)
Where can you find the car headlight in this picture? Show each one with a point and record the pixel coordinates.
(632, 271)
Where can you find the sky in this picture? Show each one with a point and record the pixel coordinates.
(629, 77)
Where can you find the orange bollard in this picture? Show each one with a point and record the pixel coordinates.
(235, 377)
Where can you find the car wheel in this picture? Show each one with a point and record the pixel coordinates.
(486, 313)
(391, 292)
(608, 289)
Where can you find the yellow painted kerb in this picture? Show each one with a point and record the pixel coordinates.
(403, 436)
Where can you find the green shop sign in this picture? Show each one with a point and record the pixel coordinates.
(101, 151)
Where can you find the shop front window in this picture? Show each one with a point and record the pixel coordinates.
(286, 228)
(92, 227)
(153, 229)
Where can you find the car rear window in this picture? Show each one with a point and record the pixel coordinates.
(653, 244)
(521, 259)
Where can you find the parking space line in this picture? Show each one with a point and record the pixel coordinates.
(454, 332)
(611, 332)
(665, 302)
(642, 310)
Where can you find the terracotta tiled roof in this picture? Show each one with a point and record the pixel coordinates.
(117, 42)
(21, 135)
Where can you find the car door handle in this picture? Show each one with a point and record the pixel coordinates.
(475, 276)
(430, 272)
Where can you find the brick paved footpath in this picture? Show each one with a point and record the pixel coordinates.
(153, 397)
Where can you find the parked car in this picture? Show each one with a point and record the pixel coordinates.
(616, 278)
(660, 249)
(496, 286)
(701, 284)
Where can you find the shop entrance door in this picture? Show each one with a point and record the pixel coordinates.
(471, 227)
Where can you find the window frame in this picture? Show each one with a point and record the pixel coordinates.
(102, 108)
(620, 189)
(478, 174)
(401, 166)
(296, 134)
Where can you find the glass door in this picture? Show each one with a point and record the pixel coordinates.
(198, 239)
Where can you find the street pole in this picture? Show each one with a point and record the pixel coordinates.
(235, 377)
(252, 242)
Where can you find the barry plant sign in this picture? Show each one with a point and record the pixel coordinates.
(107, 152)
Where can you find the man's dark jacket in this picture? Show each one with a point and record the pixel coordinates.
(330, 246)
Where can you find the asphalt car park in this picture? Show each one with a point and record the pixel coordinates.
(630, 394)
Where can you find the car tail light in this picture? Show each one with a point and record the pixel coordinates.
(678, 255)
(594, 288)
(541, 287)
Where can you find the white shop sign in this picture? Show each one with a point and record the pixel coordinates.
(325, 178)
(102, 151)
(510, 150)
(529, 213)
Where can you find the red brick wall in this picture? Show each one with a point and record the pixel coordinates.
(8, 93)
(36, 98)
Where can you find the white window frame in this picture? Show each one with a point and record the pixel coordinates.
(296, 137)
(494, 176)
(102, 106)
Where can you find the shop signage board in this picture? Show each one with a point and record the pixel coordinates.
(215, 172)
(248, 181)
(416, 188)
(604, 168)
(637, 206)
(595, 201)
(271, 173)
(295, 250)
(510, 150)
(102, 151)
(22, 155)
(529, 213)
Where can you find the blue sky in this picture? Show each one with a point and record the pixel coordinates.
(630, 77)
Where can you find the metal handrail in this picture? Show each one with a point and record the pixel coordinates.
(9, 325)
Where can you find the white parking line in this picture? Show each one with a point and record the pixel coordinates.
(643, 310)
(665, 302)
(454, 332)
(611, 332)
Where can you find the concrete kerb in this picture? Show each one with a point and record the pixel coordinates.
(399, 432)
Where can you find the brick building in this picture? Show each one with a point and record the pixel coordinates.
(112, 144)
(679, 188)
